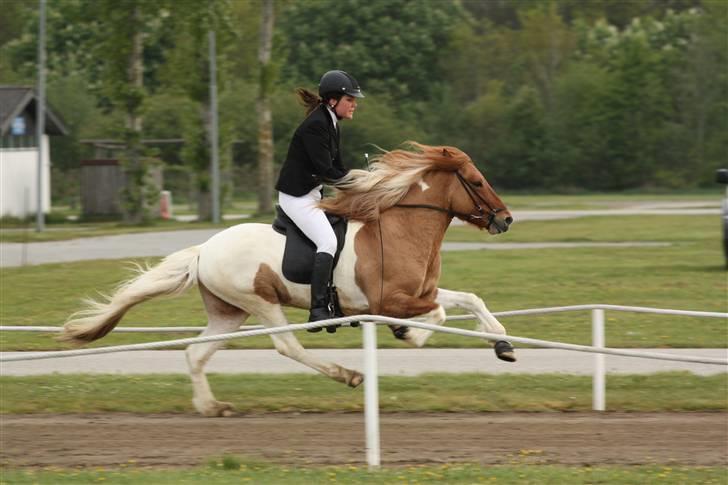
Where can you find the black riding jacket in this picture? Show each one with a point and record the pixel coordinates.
(313, 156)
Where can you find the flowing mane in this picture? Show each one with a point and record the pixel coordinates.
(362, 195)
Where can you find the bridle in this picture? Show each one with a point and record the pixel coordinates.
(474, 196)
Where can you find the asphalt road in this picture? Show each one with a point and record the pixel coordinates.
(401, 362)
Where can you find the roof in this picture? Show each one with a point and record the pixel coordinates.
(16, 99)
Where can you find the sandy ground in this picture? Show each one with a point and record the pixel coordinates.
(333, 438)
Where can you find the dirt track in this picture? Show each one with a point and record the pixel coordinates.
(488, 438)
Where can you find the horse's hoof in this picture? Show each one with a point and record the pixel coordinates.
(314, 330)
(218, 409)
(355, 380)
(505, 351)
(400, 332)
(332, 328)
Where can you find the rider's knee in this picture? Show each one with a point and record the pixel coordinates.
(327, 246)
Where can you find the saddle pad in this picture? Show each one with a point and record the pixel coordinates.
(300, 251)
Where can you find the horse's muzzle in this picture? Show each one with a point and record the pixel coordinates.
(500, 225)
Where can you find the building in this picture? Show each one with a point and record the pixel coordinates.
(19, 151)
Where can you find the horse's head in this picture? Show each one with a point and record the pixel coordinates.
(473, 200)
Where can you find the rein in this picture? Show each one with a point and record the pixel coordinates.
(474, 196)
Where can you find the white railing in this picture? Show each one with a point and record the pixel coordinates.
(369, 322)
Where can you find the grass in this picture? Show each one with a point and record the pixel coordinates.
(232, 470)
(687, 275)
(704, 230)
(256, 393)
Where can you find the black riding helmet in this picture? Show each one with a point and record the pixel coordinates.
(336, 83)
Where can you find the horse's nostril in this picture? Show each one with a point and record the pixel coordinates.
(509, 220)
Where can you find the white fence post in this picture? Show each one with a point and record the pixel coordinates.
(371, 394)
(598, 380)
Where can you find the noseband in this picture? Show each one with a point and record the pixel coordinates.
(474, 196)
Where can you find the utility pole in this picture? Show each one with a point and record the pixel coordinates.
(214, 137)
(40, 117)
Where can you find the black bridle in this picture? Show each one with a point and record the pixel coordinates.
(474, 196)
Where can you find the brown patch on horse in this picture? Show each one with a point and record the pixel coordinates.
(269, 286)
(216, 305)
(411, 265)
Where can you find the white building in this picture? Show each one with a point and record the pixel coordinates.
(19, 152)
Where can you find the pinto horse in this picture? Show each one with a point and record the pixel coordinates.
(390, 265)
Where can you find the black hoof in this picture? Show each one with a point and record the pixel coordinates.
(314, 330)
(400, 332)
(354, 324)
(332, 328)
(505, 351)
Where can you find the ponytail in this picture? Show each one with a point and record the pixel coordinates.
(308, 99)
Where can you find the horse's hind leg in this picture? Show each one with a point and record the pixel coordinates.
(271, 315)
(222, 318)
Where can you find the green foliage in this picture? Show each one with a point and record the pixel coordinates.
(547, 94)
(390, 46)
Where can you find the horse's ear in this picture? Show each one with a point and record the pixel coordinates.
(446, 153)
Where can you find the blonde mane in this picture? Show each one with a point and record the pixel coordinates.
(363, 195)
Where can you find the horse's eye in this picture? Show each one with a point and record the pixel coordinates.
(477, 184)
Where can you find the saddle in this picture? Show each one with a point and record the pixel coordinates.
(300, 251)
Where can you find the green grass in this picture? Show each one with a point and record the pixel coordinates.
(255, 393)
(520, 201)
(688, 275)
(231, 470)
(705, 230)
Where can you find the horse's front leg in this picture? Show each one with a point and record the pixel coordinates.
(486, 321)
(424, 309)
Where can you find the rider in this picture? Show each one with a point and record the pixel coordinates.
(314, 159)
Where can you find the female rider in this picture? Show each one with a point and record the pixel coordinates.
(314, 159)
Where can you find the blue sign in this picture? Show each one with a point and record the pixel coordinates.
(18, 126)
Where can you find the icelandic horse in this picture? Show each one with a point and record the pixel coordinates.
(398, 213)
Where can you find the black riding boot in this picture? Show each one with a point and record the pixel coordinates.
(322, 265)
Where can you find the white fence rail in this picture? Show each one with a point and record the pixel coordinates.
(369, 322)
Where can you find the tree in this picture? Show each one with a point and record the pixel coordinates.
(263, 108)
(390, 46)
(186, 72)
(118, 49)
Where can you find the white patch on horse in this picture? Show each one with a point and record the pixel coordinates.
(423, 185)
(350, 295)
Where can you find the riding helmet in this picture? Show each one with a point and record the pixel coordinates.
(337, 83)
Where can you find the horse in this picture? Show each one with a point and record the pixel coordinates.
(397, 211)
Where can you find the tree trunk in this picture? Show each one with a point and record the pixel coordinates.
(265, 119)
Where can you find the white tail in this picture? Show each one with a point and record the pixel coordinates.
(175, 274)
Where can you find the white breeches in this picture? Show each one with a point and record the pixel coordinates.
(310, 219)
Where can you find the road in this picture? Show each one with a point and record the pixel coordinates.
(396, 362)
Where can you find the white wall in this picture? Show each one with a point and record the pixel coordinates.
(18, 169)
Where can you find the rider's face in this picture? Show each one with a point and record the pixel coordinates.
(345, 107)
